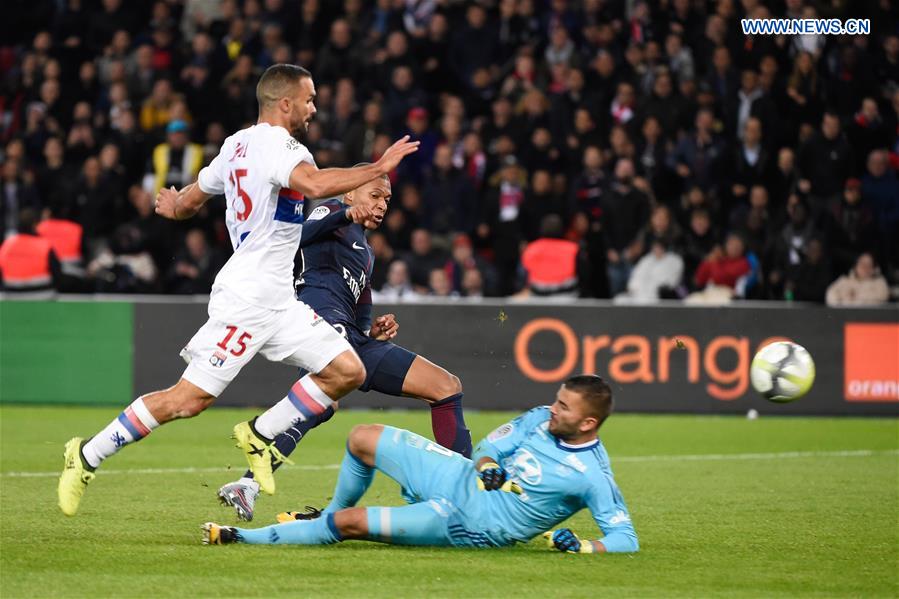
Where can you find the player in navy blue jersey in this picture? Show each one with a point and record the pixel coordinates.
(335, 281)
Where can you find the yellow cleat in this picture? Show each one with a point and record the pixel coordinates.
(74, 478)
(311, 513)
(216, 534)
(259, 456)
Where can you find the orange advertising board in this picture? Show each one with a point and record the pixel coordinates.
(871, 368)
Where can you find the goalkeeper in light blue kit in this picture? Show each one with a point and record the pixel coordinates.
(526, 477)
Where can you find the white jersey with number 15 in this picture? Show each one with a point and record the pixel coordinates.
(264, 216)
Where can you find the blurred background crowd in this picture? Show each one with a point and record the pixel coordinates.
(623, 149)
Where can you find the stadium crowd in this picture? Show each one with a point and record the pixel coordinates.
(599, 148)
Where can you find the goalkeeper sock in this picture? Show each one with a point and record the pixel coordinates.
(353, 481)
(133, 424)
(304, 401)
(287, 441)
(448, 424)
(320, 531)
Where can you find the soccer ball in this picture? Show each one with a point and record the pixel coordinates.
(782, 371)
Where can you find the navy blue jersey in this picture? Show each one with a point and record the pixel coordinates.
(336, 264)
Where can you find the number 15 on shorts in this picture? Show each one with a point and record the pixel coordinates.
(239, 345)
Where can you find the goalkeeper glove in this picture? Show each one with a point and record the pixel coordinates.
(565, 540)
(493, 478)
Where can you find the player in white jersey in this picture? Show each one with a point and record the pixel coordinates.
(265, 174)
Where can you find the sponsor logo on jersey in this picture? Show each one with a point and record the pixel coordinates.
(217, 359)
(356, 286)
(525, 466)
(290, 206)
(356, 246)
(503, 431)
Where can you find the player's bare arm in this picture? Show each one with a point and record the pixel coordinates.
(322, 183)
(180, 205)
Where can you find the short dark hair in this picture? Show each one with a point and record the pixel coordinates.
(275, 80)
(596, 393)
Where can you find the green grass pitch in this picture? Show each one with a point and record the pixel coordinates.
(717, 513)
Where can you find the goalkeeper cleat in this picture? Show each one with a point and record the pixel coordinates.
(260, 455)
(74, 478)
(240, 496)
(311, 513)
(216, 534)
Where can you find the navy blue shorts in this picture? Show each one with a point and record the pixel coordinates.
(386, 364)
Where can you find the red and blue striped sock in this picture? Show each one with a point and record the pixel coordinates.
(133, 424)
(304, 401)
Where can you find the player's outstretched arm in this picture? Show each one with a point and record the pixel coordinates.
(180, 205)
(322, 183)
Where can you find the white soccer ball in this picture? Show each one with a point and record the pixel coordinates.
(782, 371)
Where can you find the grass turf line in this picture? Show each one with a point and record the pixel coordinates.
(804, 526)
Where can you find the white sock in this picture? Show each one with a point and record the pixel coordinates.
(133, 424)
(304, 401)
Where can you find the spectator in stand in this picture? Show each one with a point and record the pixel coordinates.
(422, 259)
(156, 110)
(720, 273)
(880, 189)
(551, 262)
(699, 240)
(18, 193)
(175, 162)
(462, 260)
(747, 164)
(852, 227)
(418, 129)
(657, 275)
(697, 157)
(472, 283)
(384, 255)
(448, 199)
(589, 186)
(28, 263)
(624, 211)
(439, 284)
(195, 266)
(500, 228)
(398, 287)
(361, 136)
(825, 162)
(540, 201)
(124, 265)
(661, 227)
(784, 182)
(862, 286)
(66, 237)
(808, 281)
(788, 248)
(867, 132)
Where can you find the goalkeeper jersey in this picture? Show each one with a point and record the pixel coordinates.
(557, 481)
